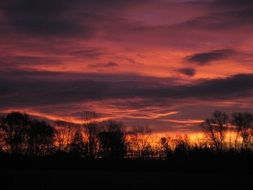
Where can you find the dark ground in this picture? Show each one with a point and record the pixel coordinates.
(81, 179)
(74, 174)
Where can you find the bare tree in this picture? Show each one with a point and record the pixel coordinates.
(215, 128)
(64, 135)
(139, 140)
(78, 147)
(40, 137)
(91, 129)
(92, 132)
(243, 123)
(14, 127)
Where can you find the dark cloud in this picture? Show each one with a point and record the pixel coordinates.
(60, 17)
(207, 57)
(110, 20)
(103, 65)
(187, 71)
(231, 87)
(54, 88)
(238, 4)
(44, 18)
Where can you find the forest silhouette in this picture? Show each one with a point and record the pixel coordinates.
(29, 142)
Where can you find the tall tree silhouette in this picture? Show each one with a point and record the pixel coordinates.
(243, 123)
(112, 141)
(40, 137)
(14, 128)
(78, 147)
(92, 132)
(215, 127)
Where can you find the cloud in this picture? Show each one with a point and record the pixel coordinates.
(103, 65)
(187, 71)
(207, 57)
(221, 21)
(112, 21)
(26, 89)
(14, 62)
(43, 18)
(87, 52)
(60, 18)
(82, 35)
(234, 3)
(224, 88)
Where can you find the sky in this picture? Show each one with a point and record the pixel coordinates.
(166, 64)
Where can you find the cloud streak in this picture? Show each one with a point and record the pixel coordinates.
(31, 90)
(208, 57)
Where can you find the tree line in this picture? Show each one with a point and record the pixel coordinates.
(21, 134)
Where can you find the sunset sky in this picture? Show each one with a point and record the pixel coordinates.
(166, 64)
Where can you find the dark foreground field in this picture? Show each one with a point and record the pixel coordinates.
(206, 172)
(74, 174)
(101, 179)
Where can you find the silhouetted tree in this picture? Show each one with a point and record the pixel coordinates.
(40, 137)
(139, 138)
(147, 152)
(215, 128)
(92, 132)
(182, 146)
(78, 147)
(112, 141)
(14, 129)
(166, 148)
(63, 137)
(243, 123)
(20, 134)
